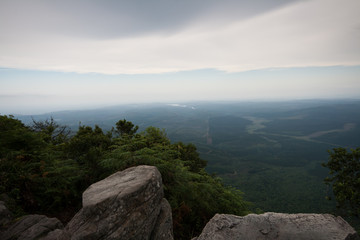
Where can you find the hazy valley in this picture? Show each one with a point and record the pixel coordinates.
(271, 151)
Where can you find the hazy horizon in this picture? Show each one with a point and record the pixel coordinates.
(179, 104)
(65, 55)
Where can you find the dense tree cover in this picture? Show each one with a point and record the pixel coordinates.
(345, 178)
(44, 170)
(34, 171)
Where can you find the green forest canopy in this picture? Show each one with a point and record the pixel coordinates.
(45, 170)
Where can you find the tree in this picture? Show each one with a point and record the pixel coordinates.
(87, 148)
(33, 173)
(126, 128)
(17, 139)
(155, 136)
(345, 178)
(52, 131)
(190, 156)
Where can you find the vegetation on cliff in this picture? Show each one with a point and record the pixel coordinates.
(344, 179)
(45, 170)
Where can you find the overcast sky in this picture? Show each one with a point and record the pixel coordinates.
(62, 54)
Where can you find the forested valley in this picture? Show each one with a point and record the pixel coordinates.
(228, 157)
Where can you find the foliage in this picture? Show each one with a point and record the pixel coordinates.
(191, 157)
(32, 172)
(194, 195)
(51, 131)
(17, 139)
(345, 178)
(124, 127)
(45, 171)
(87, 148)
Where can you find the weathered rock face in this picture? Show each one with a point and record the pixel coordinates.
(278, 226)
(31, 227)
(164, 225)
(125, 205)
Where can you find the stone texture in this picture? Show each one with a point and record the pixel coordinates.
(57, 234)
(5, 215)
(164, 226)
(31, 227)
(125, 205)
(278, 226)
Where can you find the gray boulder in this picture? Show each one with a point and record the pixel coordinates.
(125, 205)
(278, 226)
(5, 215)
(31, 227)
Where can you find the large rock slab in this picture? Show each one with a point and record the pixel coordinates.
(126, 205)
(57, 234)
(278, 226)
(31, 227)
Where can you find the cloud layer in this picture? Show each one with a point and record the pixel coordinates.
(138, 37)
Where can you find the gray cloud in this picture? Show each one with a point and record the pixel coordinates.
(112, 18)
(133, 37)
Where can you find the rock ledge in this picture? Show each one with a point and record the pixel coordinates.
(278, 226)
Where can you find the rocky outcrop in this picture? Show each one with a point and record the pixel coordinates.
(278, 226)
(31, 227)
(126, 205)
(131, 205)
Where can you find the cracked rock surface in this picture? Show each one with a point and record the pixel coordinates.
(126, 205)
(31, 227)
(278, 226)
